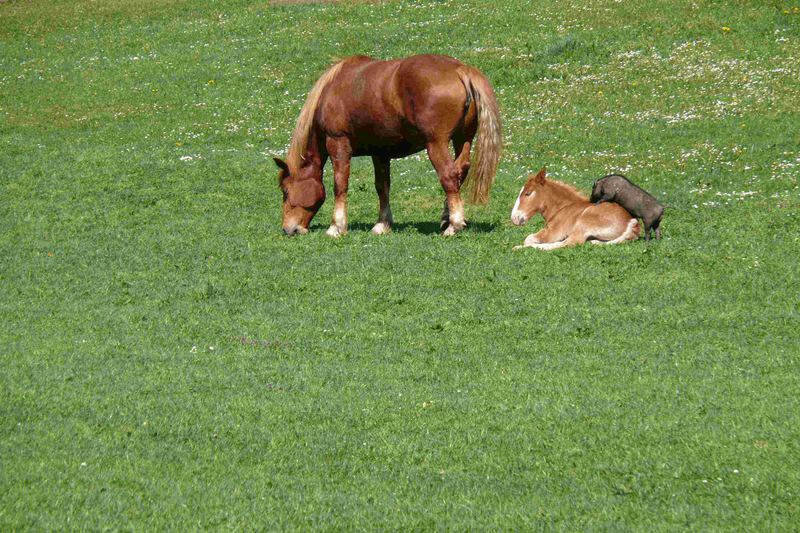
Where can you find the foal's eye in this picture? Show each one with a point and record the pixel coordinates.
(528, 193)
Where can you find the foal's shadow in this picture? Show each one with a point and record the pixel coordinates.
(425, 228)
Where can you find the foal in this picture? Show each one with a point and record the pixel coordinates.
(569, 217)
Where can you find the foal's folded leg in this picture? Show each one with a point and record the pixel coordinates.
(571, 240)
(545, 239)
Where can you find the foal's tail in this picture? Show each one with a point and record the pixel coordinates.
(488, 144)
(630, 233)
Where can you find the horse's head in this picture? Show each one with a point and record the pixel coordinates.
(530, 201)
(302, 197)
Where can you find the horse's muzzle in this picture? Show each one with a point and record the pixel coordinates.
(294, 230)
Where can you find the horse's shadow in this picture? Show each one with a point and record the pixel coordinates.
(425, 228)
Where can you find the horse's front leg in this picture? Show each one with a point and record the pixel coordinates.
(382, 185)
(450, 178)
(340, 152)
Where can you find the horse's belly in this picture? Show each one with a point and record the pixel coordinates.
(382, 139)
(392, 150)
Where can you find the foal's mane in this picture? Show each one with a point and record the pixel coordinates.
(302, 131)
(566, 190)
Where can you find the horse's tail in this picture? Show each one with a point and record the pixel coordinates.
(486, 149)
(302, 130)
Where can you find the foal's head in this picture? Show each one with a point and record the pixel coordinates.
(302, 198)
(531, 200)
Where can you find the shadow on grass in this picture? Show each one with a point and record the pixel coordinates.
(426, 228)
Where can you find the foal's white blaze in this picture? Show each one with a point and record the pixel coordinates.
(516, 214)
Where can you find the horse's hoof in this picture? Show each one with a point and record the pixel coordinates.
(381, 228)
(449, 231)
(334, 232)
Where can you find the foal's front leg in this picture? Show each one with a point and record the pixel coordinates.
(382, 183)
(542, 237)
(340, 152)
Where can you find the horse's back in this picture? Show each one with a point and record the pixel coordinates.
(432, 81)
(394, 106)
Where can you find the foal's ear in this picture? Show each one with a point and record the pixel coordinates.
(539, 178)
(281, 164)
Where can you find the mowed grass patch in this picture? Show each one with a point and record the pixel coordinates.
(170, 360)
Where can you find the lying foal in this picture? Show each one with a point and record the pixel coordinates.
(569, 217)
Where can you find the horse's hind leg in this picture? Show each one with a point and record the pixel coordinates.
(382, 184)
(450, 178)
(462, 148)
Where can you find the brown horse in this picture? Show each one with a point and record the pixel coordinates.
(569, 217)
(390, 109)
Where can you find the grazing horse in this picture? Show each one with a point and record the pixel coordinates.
(391, 109)
(569, 217)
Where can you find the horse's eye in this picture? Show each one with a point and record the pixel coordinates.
(528, 193)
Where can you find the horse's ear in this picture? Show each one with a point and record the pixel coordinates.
(281, 164)
(539, 178)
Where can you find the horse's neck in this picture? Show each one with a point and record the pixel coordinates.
(559, 199)
(316, 155)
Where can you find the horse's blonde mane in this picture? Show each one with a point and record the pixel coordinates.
(302, 130)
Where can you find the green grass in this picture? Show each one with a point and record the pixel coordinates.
(170, 361)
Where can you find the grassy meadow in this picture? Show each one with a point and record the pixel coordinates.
(171, 361)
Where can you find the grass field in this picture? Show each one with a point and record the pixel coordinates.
(171, 361)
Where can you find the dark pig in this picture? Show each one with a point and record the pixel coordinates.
(638, 202)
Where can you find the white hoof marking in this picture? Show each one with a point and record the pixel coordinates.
(381, 228)
(333, 231)
(450, 231)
